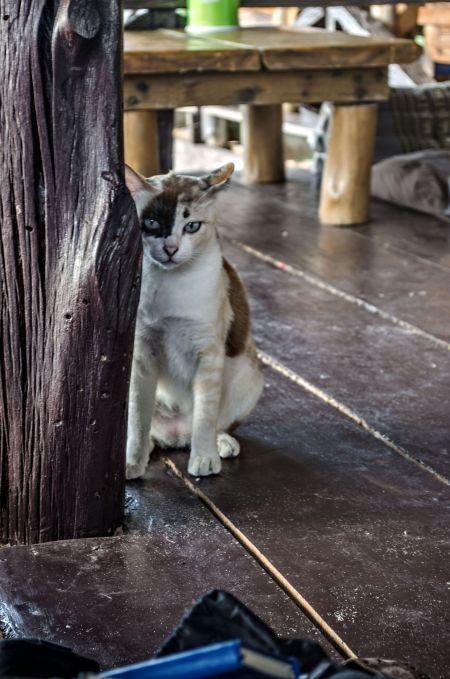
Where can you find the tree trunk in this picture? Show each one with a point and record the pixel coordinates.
(69, 264)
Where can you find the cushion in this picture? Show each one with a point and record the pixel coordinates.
(419, 181)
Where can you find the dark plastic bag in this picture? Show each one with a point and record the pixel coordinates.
(34, 658)
(219, 616)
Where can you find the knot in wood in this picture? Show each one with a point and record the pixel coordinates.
(83, 18)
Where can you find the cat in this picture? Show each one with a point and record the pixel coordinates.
(195, 373)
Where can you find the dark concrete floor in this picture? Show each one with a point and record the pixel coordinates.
(342, 486)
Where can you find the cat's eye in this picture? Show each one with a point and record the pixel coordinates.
(150, 225)
(192, 227)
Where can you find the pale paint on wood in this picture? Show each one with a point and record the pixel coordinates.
(344, 198)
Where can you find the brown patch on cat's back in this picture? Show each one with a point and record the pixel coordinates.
(239, 329)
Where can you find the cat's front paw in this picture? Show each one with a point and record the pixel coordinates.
(137, 459)
(227, 445)
(204, 464)
(135, 471)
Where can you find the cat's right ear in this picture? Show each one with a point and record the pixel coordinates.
(139, 188)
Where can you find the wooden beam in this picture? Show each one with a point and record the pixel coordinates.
(69, 263)
(224, 89)
(344, 198)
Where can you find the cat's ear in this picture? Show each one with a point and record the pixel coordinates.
(139, 188)
(218, 179)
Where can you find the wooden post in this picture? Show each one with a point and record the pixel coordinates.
(141, 142)
(69, 262)
(263, 143)
(345, 191)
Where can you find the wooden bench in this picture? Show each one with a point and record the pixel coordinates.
(261, 68)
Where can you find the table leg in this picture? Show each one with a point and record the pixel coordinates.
(345, 192)
(166, 120)
(263, 143)
(141, 142)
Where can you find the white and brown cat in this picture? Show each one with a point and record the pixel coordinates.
(195, 373)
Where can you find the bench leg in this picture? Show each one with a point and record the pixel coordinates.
(345, 191)
(263, 143)
(141, 142)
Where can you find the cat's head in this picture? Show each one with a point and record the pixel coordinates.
(176, 213)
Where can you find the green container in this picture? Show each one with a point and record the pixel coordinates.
(212, 15)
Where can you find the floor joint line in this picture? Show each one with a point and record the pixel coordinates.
(319, 622)
(348, 412)
(352, 299)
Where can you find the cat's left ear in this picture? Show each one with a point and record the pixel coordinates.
(218, 179)
(139, 187)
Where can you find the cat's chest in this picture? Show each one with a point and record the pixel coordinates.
(193, 297)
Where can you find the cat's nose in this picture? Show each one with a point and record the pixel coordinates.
(170, 250)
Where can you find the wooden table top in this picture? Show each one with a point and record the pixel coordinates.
(253, 49)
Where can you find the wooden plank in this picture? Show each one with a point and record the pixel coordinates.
(202, 89)
(167, 51)
(402, 285)
(359, 531)
(117, 599)
(414, 234)
(404, 387)
(297, 48)
(170, 51)
(410, 241)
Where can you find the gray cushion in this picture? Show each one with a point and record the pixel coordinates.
(419, 181)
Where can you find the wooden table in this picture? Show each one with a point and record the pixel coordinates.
(261, 68)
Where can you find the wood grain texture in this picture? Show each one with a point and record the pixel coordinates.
(139, 585)
(171, 51)
(359, 534)
(263, 87)
(345, 190)
(247, 48)
(69, 256)
(263, 144)
(359, 351)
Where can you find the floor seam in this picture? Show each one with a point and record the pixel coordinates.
(306, 608)
(348, 412)
(337, 292)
